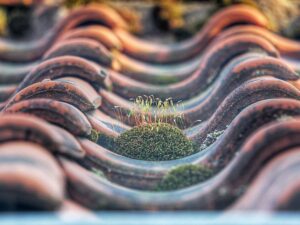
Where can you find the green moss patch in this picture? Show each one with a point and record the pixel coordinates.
(184, 176)
(154, 142)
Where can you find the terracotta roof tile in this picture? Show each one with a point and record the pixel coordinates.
(66, 96)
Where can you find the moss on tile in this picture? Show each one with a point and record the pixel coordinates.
(154, 142)
(184, 176)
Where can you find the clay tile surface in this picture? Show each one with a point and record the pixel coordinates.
(72, 96)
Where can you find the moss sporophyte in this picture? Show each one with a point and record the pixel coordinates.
(148, 109)
(184, 176)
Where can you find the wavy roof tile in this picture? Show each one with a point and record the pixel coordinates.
(66, 96)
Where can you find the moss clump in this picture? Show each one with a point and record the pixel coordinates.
(154, 142)
(184, 176)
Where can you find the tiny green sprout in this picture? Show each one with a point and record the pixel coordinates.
(184, 176)
(154, 142)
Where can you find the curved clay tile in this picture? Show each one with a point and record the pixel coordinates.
(59, 113)
(98, 33)
(245, 94)
(213, 61)
(82, 76)
(26, 51)
(30, 128)
(130, 88)
(216, 193)
(234, 73)
(30, 177)
(65, 66)
(71, 90)
(159, 74)
(131, 67)
(160, 53)
(144, 174)
(84, 48)
(81, 47)
(276, 187)
(285, 46)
